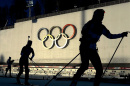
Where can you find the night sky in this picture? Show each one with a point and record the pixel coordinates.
(8, 3)
(11, 10)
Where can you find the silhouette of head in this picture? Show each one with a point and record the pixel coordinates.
(98, 15)
(29, 43)
(9, 57)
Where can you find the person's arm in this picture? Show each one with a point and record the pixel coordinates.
(113, 36)
(22, 51)
(33, 54)
(12, 61)
(8, 61)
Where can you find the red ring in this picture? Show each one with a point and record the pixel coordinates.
(73, 29)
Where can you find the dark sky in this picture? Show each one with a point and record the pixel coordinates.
(7, 3)
(12, 10)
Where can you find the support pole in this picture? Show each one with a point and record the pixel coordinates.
(61, 70)
(112, 57)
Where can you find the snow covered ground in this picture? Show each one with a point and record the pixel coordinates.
(5, 81)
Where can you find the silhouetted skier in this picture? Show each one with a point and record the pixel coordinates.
(9, 62)
(26, 51)
(91, 33)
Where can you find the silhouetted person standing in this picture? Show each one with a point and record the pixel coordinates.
(26, 51)
(91, 33)
(9, 62)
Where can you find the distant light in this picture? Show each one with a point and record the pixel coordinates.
(29, 3)
(75, 6)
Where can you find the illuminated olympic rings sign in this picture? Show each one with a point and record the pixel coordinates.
(55, 39)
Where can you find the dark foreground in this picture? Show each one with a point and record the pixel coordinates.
(5, 81)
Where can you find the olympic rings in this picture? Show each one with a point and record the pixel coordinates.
(65, 42)
(55, 39)
(66, 27)
(40, 31)
(43, 41)
(53, 28)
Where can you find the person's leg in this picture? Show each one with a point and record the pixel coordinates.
(10, 71)
(6, 72)
(83, 67)
(20, 71)
(95, 60)
(26, 73)
(78, 74)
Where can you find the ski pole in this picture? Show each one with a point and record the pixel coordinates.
(61, 70)
(112, 57)
(37, 65)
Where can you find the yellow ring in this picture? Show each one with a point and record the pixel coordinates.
(45, 38)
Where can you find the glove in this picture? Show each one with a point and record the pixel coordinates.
(124, 34)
